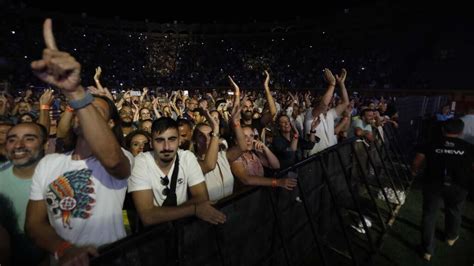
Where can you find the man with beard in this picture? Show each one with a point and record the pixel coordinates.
(76, 198)
(25, 144)
(191, 105)
(126, 117)
(269, 113)
(161, 178)
(363, 127)
(185, 128)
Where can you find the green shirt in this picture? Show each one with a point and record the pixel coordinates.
(18, 191)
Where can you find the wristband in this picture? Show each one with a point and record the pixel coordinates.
(274, 183)
(69, 109)
(44, 107)
(81, 103)
(59, 252)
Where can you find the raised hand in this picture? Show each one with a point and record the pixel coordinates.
(329, 77)
(213, 123)
(266, 83)
(98, 72)
(47, 97)
(235, 86)
(57, 68)
(341, 78)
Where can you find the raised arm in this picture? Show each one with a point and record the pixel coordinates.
(45, 103)
(144, 94)
(233, 154)
(340, 79)
(136, 112)
(331, 81)
(100, 89)
(210, 159)
(63, 71)
(270, 100)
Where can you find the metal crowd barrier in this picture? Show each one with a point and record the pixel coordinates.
(337, 190)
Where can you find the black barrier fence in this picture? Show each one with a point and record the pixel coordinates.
(347, 197)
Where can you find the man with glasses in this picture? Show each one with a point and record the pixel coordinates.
(161, 178)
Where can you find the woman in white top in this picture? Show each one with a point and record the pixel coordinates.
(214, 157)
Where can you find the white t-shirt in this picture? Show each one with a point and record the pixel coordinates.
(220, 187)
(147, 175)
(84, 202)
(324, 131)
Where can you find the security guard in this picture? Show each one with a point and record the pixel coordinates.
(448, 175)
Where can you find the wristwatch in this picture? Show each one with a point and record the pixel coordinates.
(81, 103)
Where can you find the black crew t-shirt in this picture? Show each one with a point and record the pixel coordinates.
(448, 160)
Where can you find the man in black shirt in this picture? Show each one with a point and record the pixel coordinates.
(448, 175)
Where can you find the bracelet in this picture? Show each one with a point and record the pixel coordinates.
(81, 103)
(44, 107)
(313, 131)
(295, 136)
(59, 251)
(274, 183)
(69, 109)
(237, 125)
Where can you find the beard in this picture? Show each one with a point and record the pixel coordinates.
(29, 161)
(165, 156)
(126, 124)
(166, 160)
(247, 115)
